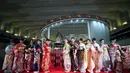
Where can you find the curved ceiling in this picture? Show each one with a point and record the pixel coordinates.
(20, 16)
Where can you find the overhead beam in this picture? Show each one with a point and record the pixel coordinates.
(27, 25)
(86, 7)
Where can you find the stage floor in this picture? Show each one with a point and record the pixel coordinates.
(61, 70)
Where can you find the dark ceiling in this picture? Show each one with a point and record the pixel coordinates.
(27, 17)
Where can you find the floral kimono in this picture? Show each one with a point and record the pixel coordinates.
(112, 53)
(46, 60)
(90, 57)
(98, 57)
(118, 67)
(82, 57)
(106, 57)
(66, 57)
(28, 59)
(126, 61)
(73, 55)
(37, 57)
(18, 64)
(8, 60)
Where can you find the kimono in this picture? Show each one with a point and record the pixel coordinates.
(126, 61)
(90, 57)
(82, 57)
(73, 55)
(8, 60)
(106, 57)
(46, 59)
(37, 57)
(118, 67)
(18, 64)
(112, 53)
(98, 57)
(66, 57)
(28, 60)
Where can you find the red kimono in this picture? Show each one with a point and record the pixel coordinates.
(18, 64)
(46, 60)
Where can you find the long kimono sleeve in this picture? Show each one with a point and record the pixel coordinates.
(84, 47)
(92, 48)
(7, 49)
(99, 48)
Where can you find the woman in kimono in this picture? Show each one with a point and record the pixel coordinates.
(66, 56)
(98, 56)
(28, 59)
(37, 56)
(90, 56)
(82, 56)
(18, 64)
(106, 57)
(118, 65)
(126, 61)
(8, 60)
(73, 55)
(46, 60)
(112, 52)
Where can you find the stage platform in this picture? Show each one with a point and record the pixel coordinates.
(60, 69)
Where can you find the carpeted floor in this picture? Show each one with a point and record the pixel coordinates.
(61, 70)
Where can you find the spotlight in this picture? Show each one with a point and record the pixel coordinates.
(60, 22)
(77, 20)
(16, 34)
(7, 31)
(114, 28)
(98, 22)
(94, 22)
(82, 20)
(25, 36)
(71, 21)
(52, 25)
(125, 23)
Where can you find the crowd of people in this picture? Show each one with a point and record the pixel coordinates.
(77, 56)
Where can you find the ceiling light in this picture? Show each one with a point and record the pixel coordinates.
(114, 28)
(33, 38)
(94, 22)
(7, 31)
(52, 25)
(77, 20)
(125, 22)
(60, 22)
(82, 20)
(26, 36)
(98, 22)
(71, 21)
(16, 34)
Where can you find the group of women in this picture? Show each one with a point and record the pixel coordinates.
(86, 56)
(77, 56)
(20, 57)
(92, 57)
